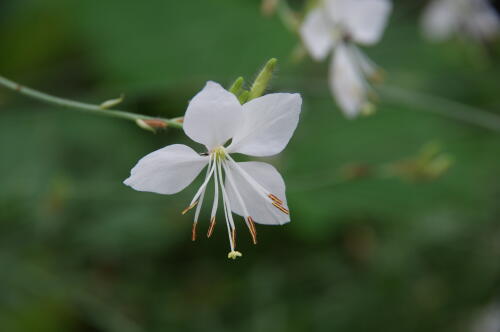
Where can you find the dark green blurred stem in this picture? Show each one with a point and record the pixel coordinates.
(288, 16)
(90, 108)
(448, 108)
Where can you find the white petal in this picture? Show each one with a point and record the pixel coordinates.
(364, 20)
(483, 22)
(260, 209)
(316, 32)
(338, 10)
(370, 20)
(167, 170)
(441, 19)
(212, 116)
(268, 124)
(346, 82)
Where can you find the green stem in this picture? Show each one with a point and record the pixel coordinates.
(84, 107)
(448, 108)
(288, 16)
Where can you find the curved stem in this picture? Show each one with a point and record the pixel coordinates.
(288, 17)
(90, 108)
(449, 108)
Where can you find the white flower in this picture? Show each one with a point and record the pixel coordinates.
(335, 26)
(254, 190)
(475, 19)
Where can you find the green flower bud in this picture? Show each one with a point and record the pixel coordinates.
(262, 80)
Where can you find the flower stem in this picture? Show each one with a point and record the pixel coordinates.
(288, 16)
(448, 108)
(84, 107)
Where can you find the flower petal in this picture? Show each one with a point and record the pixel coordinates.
(167, 170)
(365, 19)
(483, 23)
(316, 34)
(441, 19)
(268, 124)
(212, 116)
(260, 209)
(346, 82)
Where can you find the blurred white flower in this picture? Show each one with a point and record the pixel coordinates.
(336, 26)
(488, 319)
(253, 190)
(476, 19)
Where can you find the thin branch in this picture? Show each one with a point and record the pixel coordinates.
(288, 16)
(154, 122)
(442, 106)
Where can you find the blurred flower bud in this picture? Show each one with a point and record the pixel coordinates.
(151, 124)
(356, 171)
(368, 109)
(268, 7)
(430, 164)
(439, 165)
(298, 54)
(377, 76)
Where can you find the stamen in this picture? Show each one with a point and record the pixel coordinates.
(227, 208)
(226, 200)
(276, 199)
(204, 185)
(207, 177)
(364, 67)
(186, 210)
(259, 189)
(233, 237)
(254, 184)
(211, 227)
(281, 208)
(253, 231)
(215, 205)
(193, 231)
(249, 220)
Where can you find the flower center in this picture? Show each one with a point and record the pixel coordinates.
(220, 168)
(219, 153)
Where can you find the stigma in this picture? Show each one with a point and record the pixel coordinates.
(234, 254)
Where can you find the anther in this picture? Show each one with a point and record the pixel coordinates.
(211, 227)
(281, 208)
(253, 231)
(276, 199)
(189, 207)
(193, 231)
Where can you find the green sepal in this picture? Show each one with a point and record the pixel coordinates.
(237, 86)
(243, 97)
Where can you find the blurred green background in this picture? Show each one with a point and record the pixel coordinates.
(368, 248)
